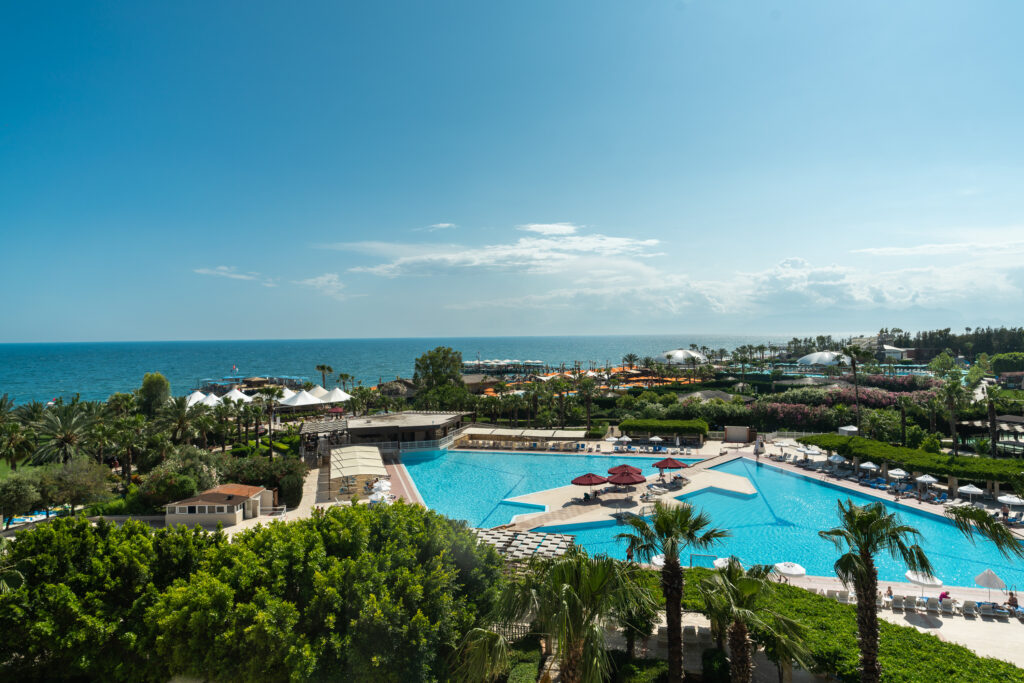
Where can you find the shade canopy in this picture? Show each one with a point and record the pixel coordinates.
(836, 458)
(868, 466)
(970, 490)
(627, 479)
(335, 395)
(658, 561)
(317, 391)
(589, 479)
(823, 358)
(655, 438)
(898, 473)
(923, 579)
(612, 439)
(721, 562)
(790, 569)
(1010, 500)
(669, 464)
(236, 395)
(989, 579)
(303, 398)
(194, 398)
(926, 479)
(684, 356)
(210, 401)
(286, 392)
(625, 439)
(618, 469)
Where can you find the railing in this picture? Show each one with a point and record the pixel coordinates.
(717, 436)
(789, 435)
(277, 511)
(403, 446)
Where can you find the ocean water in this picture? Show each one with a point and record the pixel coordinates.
(781, 524)
(472, 485)
(42, 372)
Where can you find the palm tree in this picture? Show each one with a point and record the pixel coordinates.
(855, 354)
(586, 391)
(129, 438)
(864, 531)
(736, 598)
(671, 530)
(63, 432)
(362, 398)
(179, 418)
(571, 599)
(267, 398)
(903, 403)
(630, 359)
(344, 378)
(971, 520)
(323, 370)
(222, 413)
(952, 393)
(991, 393)
(10, 578)
(15, 444)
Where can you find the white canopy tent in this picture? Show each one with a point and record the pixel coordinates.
(194, 398)
(210, 400)
(236, 395)
(303, 398)
(823, 358)
(318, 391)
(286, 393)
(335, 395)
(684, 357)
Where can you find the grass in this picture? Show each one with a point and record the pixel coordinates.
(5, 470)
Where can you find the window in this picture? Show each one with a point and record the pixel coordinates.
(191, 509)
(181, 510)
(220, 508)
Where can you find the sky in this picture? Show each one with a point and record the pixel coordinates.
(196, 170)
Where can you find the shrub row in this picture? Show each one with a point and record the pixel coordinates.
(664, 426)
(914, 460)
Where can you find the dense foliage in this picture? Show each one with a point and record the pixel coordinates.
(360, 594)
(914, 460)
(664, 427)
(1008, 362)
(905, 653)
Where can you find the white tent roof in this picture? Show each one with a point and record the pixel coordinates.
(210, 400)
(303, 398)
(236, 395)
(682, 356)
(318, 391)
(286, 393)
(823, 358)
(194, 398)
(335, 395)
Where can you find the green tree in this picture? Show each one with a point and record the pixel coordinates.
(81, 482)
(18, 496)
(669, 531)
(323, 369)
(630, 360)
(572, 599)
(856, 354)
(438, 367)
(10, 578)
(62, 433)
(991, 394)
(953, 396)
(737, 598)
(586, 392)
(15, 444)
(865, 531)
(153, 393)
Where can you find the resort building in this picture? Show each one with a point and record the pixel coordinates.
(227, 504)
(390, 431)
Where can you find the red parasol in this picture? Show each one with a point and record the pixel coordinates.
(619, 469)
(627, 478)
(669, 464)
(589, 479)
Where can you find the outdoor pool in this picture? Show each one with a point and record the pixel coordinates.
(782, 521)
(472, 485)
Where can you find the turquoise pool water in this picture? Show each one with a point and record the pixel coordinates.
(782, 521)
(472, 485)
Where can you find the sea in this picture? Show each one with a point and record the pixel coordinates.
(94, 371)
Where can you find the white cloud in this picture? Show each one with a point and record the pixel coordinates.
(1001, 248)
(328, 284)
(441, 226)
(228, 272)
(550, 228)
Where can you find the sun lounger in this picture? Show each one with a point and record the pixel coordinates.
(910, 603)
(897, 602)
(990, 610)
(933, 606)
(970, 608)
(844, 598)
(948, 607)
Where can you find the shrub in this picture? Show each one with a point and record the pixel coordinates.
(638, 670)
(290, 490)
(1007, 362)
(714, 666)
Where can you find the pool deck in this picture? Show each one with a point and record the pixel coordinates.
(563, 504)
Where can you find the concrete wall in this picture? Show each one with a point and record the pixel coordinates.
(210, 520)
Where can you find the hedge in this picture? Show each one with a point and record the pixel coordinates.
(915, 460)
(664, 426)
(904, 653)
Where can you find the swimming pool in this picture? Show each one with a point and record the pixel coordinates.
(472, 485)
(782, 521)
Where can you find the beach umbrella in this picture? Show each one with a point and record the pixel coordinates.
(627, 479)
(868, 466)
(837, 459)
(988, 579)
(923, 580)
(791, 569)
(1010, 500)
(656, 439)
(589, 479)
(668, 464)
(625, 439)
(926, 479)
(971, 490)
(383, 485)
(898, 473)
(721, 562)
(624, 468)
(611, 439)
(658, 561)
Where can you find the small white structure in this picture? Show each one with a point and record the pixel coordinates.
(684, 357)
(194, 398)
(894, 352)
(827, 358)
(210, 401)
(848, 430)
(226, 504)
(236, 395)
(318, 391)
(303, 398)
(335, 395)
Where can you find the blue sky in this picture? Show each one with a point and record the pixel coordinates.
(226, 170)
